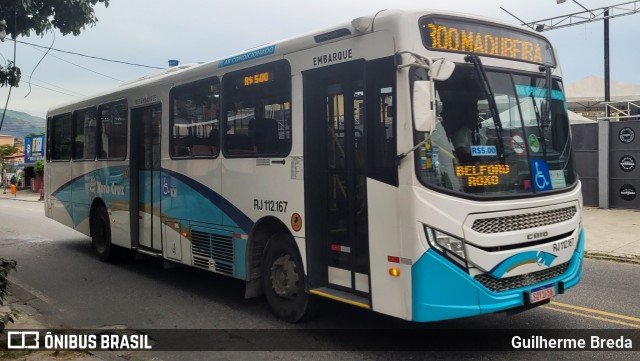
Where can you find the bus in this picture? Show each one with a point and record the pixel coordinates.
(413, 163)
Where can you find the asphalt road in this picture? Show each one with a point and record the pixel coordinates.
(60, 276)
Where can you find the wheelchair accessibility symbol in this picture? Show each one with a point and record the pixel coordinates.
(541, 177)
(167, 190)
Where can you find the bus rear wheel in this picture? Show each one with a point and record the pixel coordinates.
(101, 235)
(283, 280)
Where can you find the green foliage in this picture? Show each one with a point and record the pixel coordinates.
(39, 167)
(33, 134)
(5, 267)
(40, 16)
(68, 16)
(7, 150)
(9, 75)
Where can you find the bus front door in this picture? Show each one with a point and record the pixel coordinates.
(335, 182)
(145, 174)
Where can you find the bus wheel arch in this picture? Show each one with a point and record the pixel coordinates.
(262, 231)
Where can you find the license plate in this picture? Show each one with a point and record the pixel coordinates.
(542, 293)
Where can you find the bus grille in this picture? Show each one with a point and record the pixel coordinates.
(523, 221)
(212, 251)
(509, 283)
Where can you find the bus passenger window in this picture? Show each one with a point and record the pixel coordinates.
(84, 134)
(258, 111)
(194, 119)
(61, 135)
(112, 130)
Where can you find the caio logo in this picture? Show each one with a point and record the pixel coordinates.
(537, 235)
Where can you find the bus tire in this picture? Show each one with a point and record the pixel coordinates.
(101, 235)
(283, 280)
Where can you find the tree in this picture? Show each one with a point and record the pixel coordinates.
(6, 150)
(39, 168)
(25, 16)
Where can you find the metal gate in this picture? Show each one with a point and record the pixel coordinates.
(585, 150)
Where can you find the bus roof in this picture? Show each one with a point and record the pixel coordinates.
(356, 27)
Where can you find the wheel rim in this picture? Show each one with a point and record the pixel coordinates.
(284, 277)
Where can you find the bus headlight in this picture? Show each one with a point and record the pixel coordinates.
(445, 242)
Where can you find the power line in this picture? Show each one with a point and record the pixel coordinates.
(74, 64)
(40, 61)
(90, 56)
(59, 87)
(57, 91)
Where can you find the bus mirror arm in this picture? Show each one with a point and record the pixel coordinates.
(439, 68)
(400, 157)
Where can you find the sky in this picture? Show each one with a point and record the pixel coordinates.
(150, 32)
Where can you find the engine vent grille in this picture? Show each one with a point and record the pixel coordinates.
(510, 283)
(523, 221)
(212, 251)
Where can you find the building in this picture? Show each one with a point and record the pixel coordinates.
(7, 139)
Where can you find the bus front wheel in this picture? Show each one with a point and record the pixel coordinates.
(101, 235)
(283, 280)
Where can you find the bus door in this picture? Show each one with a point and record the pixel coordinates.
(335, 181)
(146, 185)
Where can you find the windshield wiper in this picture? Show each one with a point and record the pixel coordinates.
(541, 125)
(493, 107)
(544, 120)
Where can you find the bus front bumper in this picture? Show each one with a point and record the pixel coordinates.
(442, 291)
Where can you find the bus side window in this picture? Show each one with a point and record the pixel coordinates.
(112, 130)
(61, 137)
(84, 134)
(258, 111)
(194, 119)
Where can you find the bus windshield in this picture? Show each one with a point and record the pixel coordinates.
(523, 151)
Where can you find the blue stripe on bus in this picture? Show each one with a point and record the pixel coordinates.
(112, 185)
(539, 257)
(239, 219)
(442, 291)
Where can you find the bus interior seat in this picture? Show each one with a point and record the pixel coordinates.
(264, 133)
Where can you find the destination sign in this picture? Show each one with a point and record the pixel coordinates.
(258, 78)
(482, 175)
(464, 36)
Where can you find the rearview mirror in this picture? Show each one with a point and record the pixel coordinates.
(424, 116)
(441, 70)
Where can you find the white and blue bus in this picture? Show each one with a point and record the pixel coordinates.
(414, 163)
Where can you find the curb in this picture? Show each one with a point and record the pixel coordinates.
(22, 199)
(616, 257)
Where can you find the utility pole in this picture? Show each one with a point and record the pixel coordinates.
(607, 80)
